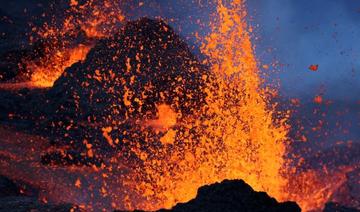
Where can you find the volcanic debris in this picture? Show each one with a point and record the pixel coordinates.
(233, 195)
(119, 85)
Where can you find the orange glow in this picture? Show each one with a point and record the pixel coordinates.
(169, 137)
(106, 135)
(235, 136)
(166, 118)
(97, 19)
(94, 17)
(318, 99)
(311, 191)
(44, 74)
(239, 134)
(254, 139)
(313, 67)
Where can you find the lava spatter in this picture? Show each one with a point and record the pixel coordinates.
(176, 124)
(68, 38)
(145, 124)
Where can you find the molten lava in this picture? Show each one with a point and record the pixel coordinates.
(166, 119)
(45, 73)
(96, 19)
(235, 136)
(238, 134)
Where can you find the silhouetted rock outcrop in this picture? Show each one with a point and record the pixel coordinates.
(233, 195)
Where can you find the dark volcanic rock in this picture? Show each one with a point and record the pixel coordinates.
(233, 195)
(335, 207)
(120, 84)
(8, 187)
(348, 194)
(12, 200)
(21, 108)
(146, 59)
(21, 203)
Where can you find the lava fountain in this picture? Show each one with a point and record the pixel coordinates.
(237, 134)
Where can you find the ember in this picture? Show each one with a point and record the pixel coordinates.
(313, 67)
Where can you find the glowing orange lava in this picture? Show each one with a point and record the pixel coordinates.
(235, 136)
(239, 134)
(246, 117)
(45, 73)
(97, 19)
(311, 191)
(166, 119)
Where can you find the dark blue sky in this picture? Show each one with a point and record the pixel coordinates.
(303, 32)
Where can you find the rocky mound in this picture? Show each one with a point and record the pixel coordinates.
(121, 84)
(233, 195)
(146, 59)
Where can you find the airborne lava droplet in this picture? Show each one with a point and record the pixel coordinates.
(106, 131)
(78, 183)
(318, 99)
(313, 67)
(166, 119)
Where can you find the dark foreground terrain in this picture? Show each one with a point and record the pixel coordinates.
(233, 195)
(229, 195)
(21, 197)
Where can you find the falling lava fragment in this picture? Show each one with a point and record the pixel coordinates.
(313, 67)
